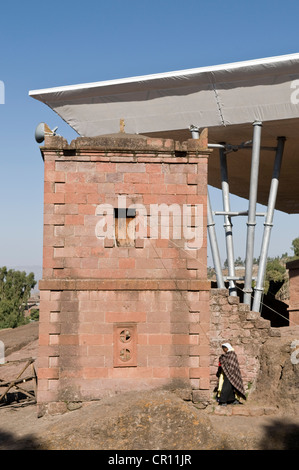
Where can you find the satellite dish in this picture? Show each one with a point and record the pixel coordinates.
(42, 129)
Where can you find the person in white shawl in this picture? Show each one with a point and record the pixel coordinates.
(230, 388)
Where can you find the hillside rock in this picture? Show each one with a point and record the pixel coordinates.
(278, 378)
(144, 421)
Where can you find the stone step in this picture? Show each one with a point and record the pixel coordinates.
(244, 410)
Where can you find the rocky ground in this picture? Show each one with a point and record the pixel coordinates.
(160, 420)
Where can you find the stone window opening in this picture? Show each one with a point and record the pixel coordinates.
(124, 227)
(125, 343)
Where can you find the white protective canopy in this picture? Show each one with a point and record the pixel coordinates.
(227, 99)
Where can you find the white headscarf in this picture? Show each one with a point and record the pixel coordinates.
(228, 346)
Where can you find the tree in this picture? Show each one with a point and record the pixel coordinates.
(275, 272)
(239, 261)
(15, 289)
(34, 314)
(295, 247)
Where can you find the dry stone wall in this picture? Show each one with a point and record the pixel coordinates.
(233, 322)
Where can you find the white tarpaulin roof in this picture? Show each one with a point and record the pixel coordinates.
(227, 99)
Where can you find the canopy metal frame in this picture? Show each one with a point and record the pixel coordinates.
(251, 296)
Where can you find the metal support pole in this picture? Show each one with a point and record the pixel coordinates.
(214, 245)
(255, 159)
(235, 214)
(268, 225)
(211, 228)
(228, 227)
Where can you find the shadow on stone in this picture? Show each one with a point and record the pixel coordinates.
(9, 441)
(281, 435)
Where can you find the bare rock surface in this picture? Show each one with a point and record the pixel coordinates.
(161, 420)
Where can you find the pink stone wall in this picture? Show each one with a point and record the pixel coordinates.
(94, 291)
(77, 338)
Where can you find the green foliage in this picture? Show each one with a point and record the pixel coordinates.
(34, 314)
(239, 261)
(295, 247)
(275, 272)
(15, 289)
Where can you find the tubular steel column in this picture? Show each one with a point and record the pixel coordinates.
(268, 225)
(227, 222)
(214, 245)
(255, 160)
